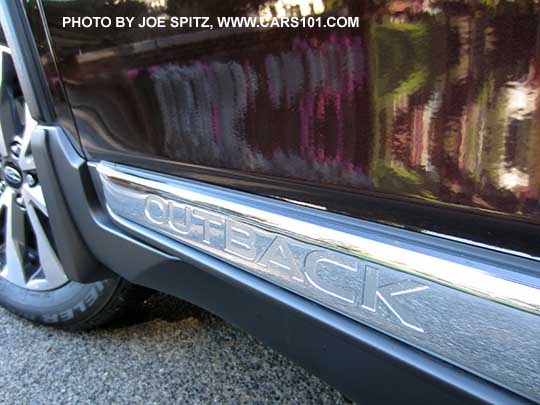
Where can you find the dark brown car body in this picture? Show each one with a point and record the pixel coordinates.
(425, 105)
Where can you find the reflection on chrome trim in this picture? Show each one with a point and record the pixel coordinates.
(456, 275)
(470, 311)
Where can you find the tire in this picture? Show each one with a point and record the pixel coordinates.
(73, 306)
(33, 283)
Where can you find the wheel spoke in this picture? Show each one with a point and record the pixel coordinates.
(20, 266)
(26, 160)
(34, 196)
(5, 197)
(9, 122)
(52, 268)
(15, 241)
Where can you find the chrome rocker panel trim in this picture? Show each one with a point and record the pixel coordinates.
(475, 308)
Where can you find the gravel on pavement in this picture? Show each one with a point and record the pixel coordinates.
(167, 352)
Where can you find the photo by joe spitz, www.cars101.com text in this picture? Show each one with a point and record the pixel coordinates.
(354, 183)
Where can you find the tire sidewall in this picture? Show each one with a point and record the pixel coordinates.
(73, 303)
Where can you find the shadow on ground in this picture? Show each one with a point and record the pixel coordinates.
(164, 308)
(166, 351)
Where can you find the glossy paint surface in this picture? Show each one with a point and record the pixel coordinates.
(430, 103)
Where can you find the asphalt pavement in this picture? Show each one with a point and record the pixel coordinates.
(167, 352)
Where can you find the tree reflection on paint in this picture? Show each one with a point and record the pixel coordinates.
(434, 100)
(422, 104)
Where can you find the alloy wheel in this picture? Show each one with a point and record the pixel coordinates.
(27, 251)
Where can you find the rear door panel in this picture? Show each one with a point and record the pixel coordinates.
(425, 115)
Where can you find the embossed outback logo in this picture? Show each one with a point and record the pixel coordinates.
(338, 280)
